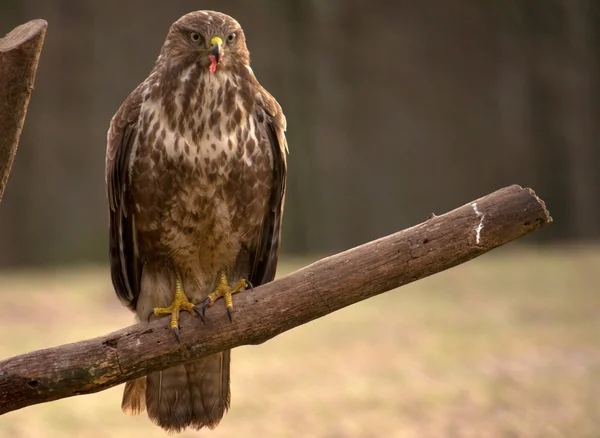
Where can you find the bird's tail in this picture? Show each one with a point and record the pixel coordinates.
(192, 395)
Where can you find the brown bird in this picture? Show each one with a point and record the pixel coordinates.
(195, 175)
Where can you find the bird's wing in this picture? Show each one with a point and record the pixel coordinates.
(263, 258)
(125, 265)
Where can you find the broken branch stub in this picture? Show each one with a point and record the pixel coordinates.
(19, 55)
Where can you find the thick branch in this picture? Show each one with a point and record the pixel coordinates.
(19, 55)
(317, 290)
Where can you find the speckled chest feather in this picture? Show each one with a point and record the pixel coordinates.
(202, 172)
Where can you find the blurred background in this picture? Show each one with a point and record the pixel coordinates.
(395, 110)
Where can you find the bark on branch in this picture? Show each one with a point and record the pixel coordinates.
(19, 55)
(317, 290)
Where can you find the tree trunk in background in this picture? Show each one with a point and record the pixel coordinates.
(515, 107)
(546, 31)
(578, 90)
(296, 63)
(331, 146)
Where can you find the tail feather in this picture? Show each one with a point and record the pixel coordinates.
(134, 397)
(210, 389)
(193, 395)
(168, 398)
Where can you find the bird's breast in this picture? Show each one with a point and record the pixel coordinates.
(201, 181)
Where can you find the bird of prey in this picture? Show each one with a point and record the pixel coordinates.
(195, 176)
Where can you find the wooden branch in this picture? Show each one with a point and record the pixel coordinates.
(19, 55)
(317, 290)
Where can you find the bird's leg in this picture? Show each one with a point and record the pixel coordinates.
(180, 302)
(224, 290)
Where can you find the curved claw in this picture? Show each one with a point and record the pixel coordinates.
(205, 304)
(150, 315)
(229, 308)
(250, 286)
(200, 312)
(176, 332)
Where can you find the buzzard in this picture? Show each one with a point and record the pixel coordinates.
(195, 177)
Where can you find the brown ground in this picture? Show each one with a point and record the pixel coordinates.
(507, 345)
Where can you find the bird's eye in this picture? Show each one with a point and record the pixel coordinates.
(231, 37)
(195, 37)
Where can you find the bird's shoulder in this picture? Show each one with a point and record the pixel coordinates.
(268, 105)
(127, 115)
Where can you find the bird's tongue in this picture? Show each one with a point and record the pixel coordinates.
(213, 63)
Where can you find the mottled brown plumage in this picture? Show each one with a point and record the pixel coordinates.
(195, 173)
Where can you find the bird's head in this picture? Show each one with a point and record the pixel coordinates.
(213, 40)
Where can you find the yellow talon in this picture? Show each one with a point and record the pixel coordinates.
(180, 302)
(224, 290)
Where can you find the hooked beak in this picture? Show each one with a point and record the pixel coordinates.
(216, 51)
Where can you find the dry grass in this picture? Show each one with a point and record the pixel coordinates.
(503, 346)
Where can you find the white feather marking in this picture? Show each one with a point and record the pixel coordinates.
(160, 379)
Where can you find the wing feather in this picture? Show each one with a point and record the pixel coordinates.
(124, 262)
(263, 259)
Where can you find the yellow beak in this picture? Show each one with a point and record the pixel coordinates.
(217, 44)
(216, 40)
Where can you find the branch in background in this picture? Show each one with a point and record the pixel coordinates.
(19, 55)
(310, 293)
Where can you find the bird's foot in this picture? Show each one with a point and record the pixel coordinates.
(180, 302)
(226, 291)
